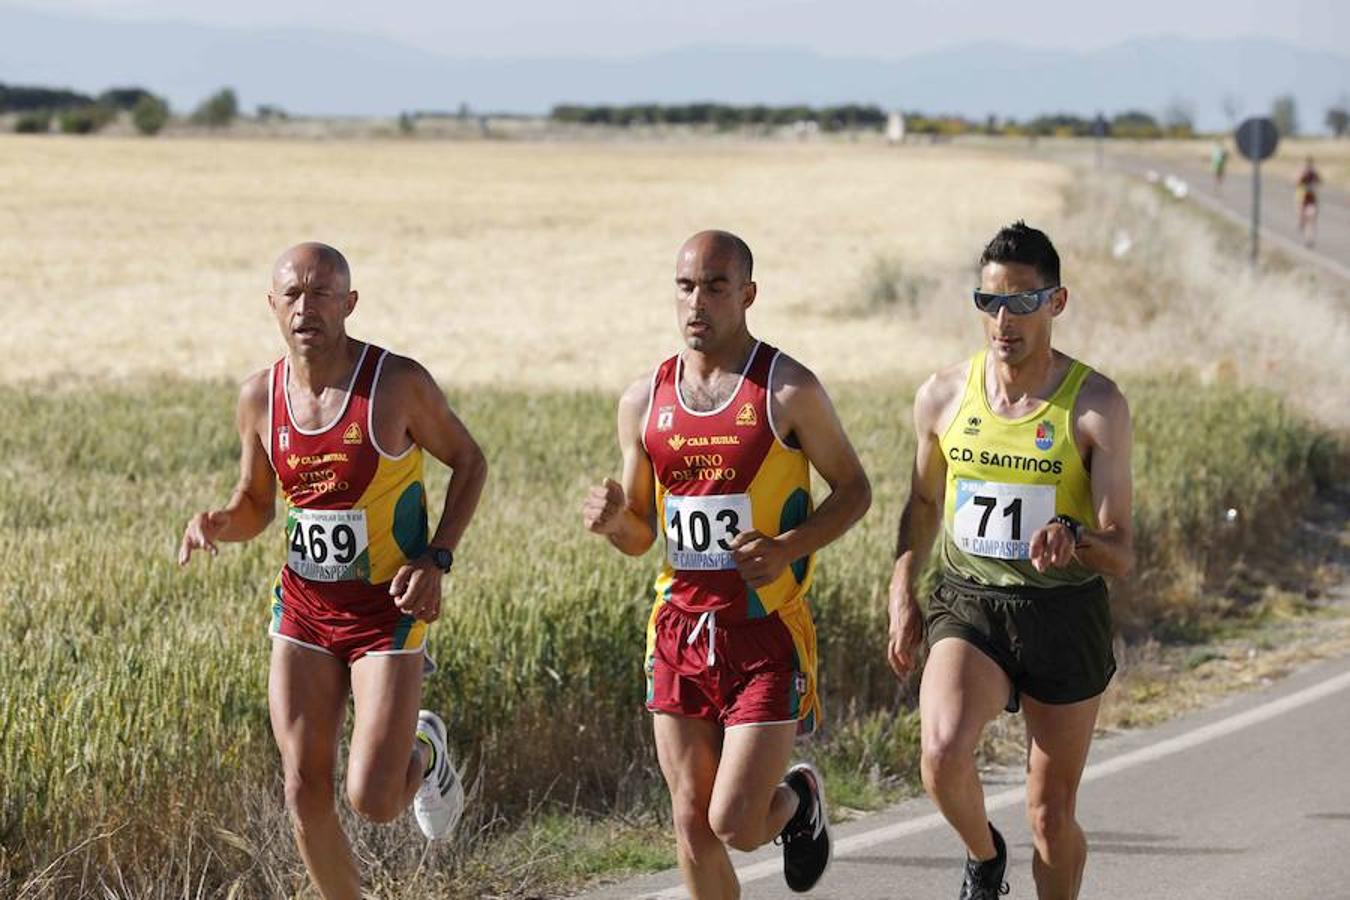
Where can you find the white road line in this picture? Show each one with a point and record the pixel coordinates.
(1014, 796)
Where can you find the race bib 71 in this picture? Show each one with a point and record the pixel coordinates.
(998, 520)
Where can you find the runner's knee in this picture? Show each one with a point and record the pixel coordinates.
(309, 794)
(374, 798)
(1052, 821)
(944, 753)
(734, 828)
(692, 830)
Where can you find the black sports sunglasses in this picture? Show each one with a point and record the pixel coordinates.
(1019, 304)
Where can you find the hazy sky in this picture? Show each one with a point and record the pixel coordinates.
(878, 28)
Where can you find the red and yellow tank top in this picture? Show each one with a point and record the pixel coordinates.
(354, 513)
(719, 473)
(1008, 477)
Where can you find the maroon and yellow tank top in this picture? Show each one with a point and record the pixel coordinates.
(354, 513)
(718, 473)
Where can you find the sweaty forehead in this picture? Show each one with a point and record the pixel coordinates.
(305, 267)
(1009, 277)
(706, 259)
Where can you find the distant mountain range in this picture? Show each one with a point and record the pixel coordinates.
(336, 73)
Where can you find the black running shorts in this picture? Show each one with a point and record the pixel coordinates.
(1054, 644)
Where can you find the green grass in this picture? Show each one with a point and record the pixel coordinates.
(132, 699)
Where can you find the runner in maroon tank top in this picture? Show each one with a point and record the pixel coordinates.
(718, 443)
(342, 426)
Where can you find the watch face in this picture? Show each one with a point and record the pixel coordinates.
(443, 558)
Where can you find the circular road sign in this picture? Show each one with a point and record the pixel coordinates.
(1257, 138)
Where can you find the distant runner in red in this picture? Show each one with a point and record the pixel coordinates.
(1308, 182)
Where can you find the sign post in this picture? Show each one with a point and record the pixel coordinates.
(1099, 130)
(1257, 138)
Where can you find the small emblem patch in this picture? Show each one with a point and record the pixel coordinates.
(1045, 435)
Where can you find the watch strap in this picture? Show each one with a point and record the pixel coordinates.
(442, 557)
(1075, 527)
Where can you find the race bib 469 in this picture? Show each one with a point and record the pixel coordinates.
(998, 520)
(328, 544)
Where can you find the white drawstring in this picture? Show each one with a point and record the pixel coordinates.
(709, 621)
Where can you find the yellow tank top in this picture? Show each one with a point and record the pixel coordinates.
(1008, 477)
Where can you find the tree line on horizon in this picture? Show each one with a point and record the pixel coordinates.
(1176, 121)
(37, 107)
(1131, 123)
(77, 113)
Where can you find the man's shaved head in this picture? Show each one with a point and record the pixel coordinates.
(311, 297)
(313, 254)
(713, 289)
(714, 242)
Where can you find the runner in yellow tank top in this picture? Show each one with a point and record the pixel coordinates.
(1007, 477)
(1023, 463)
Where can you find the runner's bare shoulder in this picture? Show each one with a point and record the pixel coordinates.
(939, 397)
(253, 395)
(791, 377)
(635, 400)
(1100, 404)
(407, 385)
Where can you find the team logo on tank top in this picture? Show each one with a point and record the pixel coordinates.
(1045, 435)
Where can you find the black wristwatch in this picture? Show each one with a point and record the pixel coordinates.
(1075, 527)
(441, 558)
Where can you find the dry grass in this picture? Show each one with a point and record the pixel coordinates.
(1181, 300)
(504, 264)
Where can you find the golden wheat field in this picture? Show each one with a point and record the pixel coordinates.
(537, 264)
(503, 263)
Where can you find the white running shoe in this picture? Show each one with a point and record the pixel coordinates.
(440, 800)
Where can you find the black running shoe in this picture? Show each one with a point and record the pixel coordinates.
(984, 880)
(806, 836)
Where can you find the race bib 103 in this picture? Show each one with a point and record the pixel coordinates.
(998, 520)
(699, 530)
(328, 544)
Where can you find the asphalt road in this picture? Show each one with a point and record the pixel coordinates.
(1248, 800)
(1233, 200)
